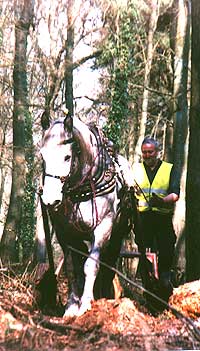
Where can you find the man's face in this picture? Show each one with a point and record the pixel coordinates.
(149, 155)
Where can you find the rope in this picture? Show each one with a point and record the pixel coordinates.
(47, 234)
(195, 331)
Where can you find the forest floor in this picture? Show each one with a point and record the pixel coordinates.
(111, 325)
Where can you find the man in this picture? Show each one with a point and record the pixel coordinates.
(157, 190)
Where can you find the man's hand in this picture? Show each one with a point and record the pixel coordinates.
(156, 201)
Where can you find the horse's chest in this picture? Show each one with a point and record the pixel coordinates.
(88, 213)
(84, 213)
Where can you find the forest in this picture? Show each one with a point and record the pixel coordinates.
(130, 67)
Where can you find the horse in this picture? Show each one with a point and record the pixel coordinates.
(84, 192)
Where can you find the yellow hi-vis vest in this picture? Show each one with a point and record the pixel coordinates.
(159, 186)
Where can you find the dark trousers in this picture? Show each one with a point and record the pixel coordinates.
(157, 233)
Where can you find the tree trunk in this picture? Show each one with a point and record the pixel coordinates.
(182, 45)
(69, 59)
(2, 171)
(180, 62)
(193, 179)
(13, 221)
(149, 57)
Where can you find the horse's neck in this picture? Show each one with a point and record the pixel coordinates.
(88, 146)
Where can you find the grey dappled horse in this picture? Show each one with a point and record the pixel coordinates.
(83, 190)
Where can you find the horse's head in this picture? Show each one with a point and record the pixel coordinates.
(56, 151)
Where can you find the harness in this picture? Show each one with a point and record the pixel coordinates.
(91, 186)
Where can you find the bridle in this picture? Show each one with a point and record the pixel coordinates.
(63, 179)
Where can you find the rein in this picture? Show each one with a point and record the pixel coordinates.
(141, 190)
(47, 235)
(68, 200)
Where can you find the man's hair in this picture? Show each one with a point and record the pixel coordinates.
(150, 140)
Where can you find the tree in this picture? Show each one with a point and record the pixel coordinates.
(121, 74)
(23, 16)
(69, 59)
(136, 53)
(6, 103)
(193, 179)
(180, 43)
(181, 56)
(154, 14)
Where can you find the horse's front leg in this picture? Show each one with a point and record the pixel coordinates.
(101, 236)
(76, 278)
(73, 301)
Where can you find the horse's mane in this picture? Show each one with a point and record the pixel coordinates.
(85, 137)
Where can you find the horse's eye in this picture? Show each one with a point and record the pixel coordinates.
(67, 158)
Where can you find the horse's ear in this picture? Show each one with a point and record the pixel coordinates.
(45, 120)
(68, 123)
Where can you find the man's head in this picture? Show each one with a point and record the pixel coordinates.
(150, 150)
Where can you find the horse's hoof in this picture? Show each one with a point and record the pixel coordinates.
(71, 311)
(84, 308)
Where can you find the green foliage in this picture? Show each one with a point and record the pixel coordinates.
(122, 65)
(119, 108)
(124, 56)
